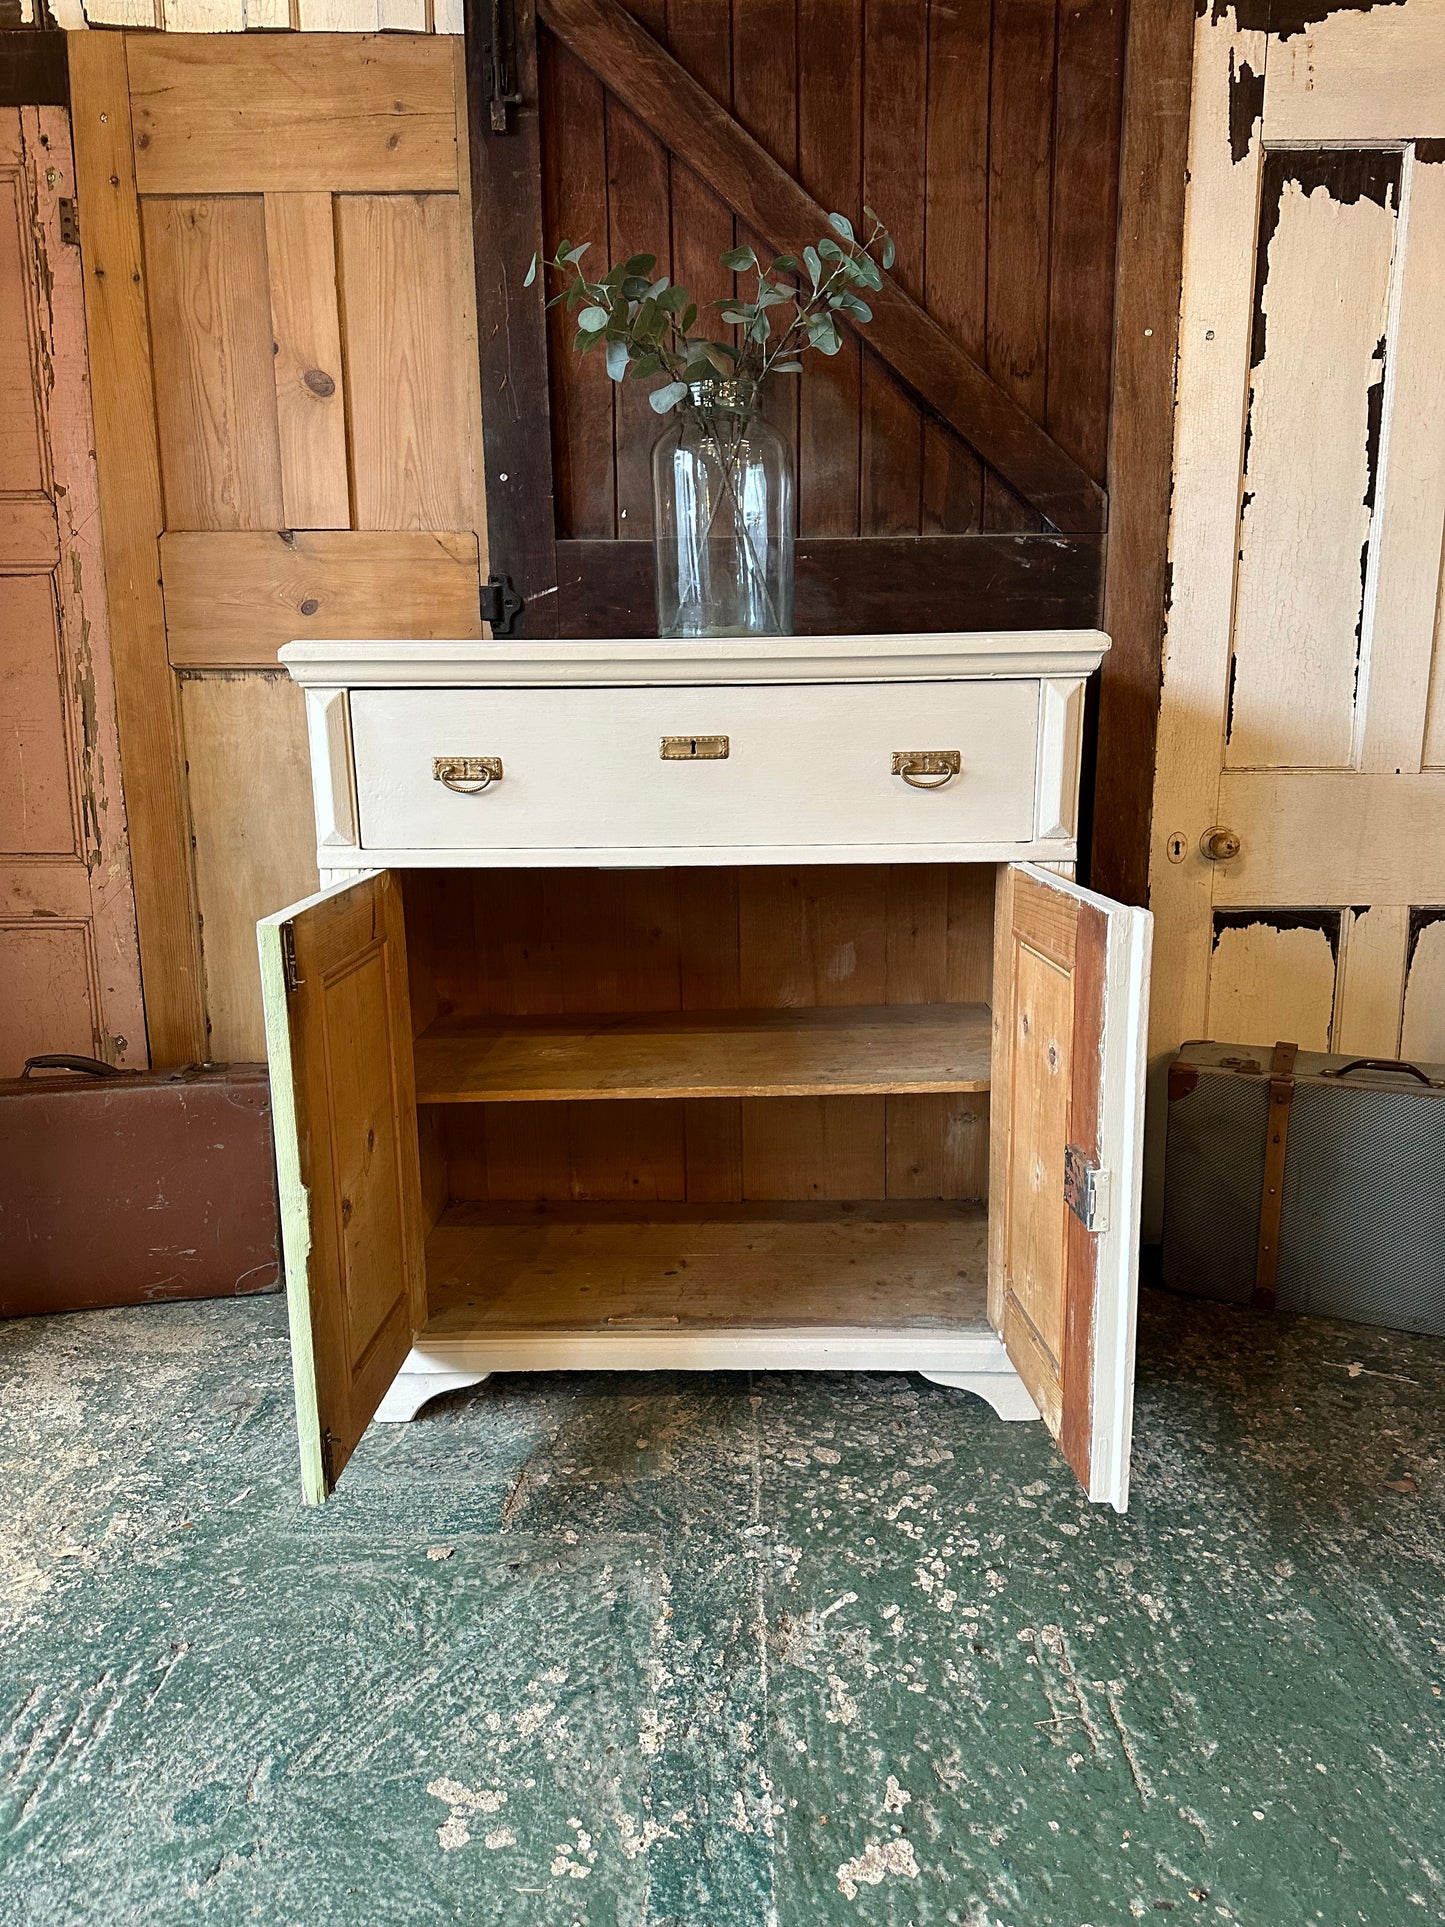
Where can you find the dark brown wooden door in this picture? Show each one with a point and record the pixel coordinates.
(951, 461)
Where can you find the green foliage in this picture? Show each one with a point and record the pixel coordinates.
(646, 325)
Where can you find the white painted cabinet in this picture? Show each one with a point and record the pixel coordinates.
(707, 1006)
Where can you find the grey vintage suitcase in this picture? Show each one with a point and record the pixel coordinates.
(1315, 1183)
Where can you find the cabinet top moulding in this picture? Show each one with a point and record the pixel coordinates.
(940, 656)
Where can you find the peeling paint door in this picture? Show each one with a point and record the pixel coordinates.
(1297, 865)
(343, 1107)
(1071, 994)
(68, 959)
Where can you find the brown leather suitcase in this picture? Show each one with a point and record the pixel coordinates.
(129, 1187)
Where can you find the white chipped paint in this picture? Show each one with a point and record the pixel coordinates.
(465, 1804)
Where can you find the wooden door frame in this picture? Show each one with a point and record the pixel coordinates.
(153, 764)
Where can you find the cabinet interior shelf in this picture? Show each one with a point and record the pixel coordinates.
(837, 1051)
(630, 1270)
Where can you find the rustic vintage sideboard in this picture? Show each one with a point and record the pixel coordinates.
(716, 1005)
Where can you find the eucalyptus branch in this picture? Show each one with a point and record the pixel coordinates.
(645, 325)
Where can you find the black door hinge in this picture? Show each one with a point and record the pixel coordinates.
(328, 1461)
(69, 223)
(501, 605)
(493, 24)
(290, 973)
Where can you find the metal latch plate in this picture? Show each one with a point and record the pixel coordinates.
(694, 749)
(927, 762)
(1086, 1189)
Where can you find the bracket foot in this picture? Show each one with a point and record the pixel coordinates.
(411, 1390)
(1004, 1391)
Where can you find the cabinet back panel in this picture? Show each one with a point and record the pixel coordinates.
(715, 1150)
(519, 943)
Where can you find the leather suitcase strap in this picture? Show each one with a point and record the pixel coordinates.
(1271, 1203)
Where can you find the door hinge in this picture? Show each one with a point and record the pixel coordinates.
(69, 223)
(491, 26)
(1086, 1189)
(290, 973)
(328, 1461)
(501, 605)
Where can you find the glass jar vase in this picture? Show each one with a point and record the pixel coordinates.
(722, 489)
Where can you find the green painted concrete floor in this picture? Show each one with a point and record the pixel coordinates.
(719, 1652)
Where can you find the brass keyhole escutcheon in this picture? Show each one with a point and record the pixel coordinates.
(1219, 845)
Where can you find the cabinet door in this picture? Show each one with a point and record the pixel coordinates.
(338, 1035)
(1071, 983)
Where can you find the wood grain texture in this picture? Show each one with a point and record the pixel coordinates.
(507, 227)
(1272, 975)
(1155, 140)
(769, 1266)
(400, 271)
(339, 1042)
(769, 201)
(1370, 986)
(250, 795)
(307, 367)
(232, 600)
(878, 586)
(132, 516)
(355, 114)
(205, 263)
(918, 1048)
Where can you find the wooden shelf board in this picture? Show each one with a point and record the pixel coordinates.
(499, 1271)
(837, 1051)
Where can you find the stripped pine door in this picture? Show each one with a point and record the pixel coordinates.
(1304, 686)
(1070, 1001)
(280, 302)
(68, 957)
(343, 1096)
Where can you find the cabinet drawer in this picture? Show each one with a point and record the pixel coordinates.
(584, 769)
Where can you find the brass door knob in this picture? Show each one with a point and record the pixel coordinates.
(1219, 845)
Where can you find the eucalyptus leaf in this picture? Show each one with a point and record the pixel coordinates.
(666, 398)
(644, 366)
(586, 339)
(814, 265)
(787, 368)
(689, 315)
(640, 264)
(531, 274)
(740, 260)
(784, 264)
(830, 250)
(890, 253)
(617, 358)
(840, 224)
(736, 317)
(593, 319)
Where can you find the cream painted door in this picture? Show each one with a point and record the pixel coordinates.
(69, 969)
(1304, 681)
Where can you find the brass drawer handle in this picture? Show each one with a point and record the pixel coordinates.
(913, 765)
(467, 775)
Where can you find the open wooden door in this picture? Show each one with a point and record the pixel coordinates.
(1071, 984)
(338, 1034)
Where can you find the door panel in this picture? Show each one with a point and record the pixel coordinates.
(338, 1035)
(1070, 1010)
(68, 954)
(1307, 631)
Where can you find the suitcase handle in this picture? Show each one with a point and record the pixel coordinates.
(1384, 1064)
(63, 1061)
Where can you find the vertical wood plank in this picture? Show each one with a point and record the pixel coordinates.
(574, 171)
(765, 101)
(1401, 615)
(205, 264)
(813, 1147)
(1155, 140)
(937, 1147)
(895, 101)
(813, 936)
(830, 167)
(401, 303)
(1084, 221)
(1422, 1032)
(699, 37)
(130, 498)
(507, 223)
(310, 397)
(1371, 981)
(1020, 199)
(475, 476)
(637, 200)
(955, 284)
